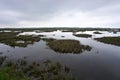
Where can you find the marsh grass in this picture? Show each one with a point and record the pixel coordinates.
(48, 39)
(11, 39)
(9, 73)
(115, 32)
(63, 29)
(20, 70)
(67, 46)
(97, 32)
(110, 40)
(83, 35)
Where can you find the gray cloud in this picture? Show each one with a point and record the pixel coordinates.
(13, 12)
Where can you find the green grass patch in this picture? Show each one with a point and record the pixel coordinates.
(83, 35)
(46, 70)
(110, 40)
(67, 46)
(9, 73)
(97, 32)
(11, 39)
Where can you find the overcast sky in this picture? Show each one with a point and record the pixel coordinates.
(59, 13)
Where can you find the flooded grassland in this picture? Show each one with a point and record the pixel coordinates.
(57, 54)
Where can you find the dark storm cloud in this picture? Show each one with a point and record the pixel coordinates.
(15, 11)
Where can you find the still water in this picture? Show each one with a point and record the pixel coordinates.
(101, 63)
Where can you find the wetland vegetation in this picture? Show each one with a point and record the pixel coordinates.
(97, 32)
(110, 40)
(21, 70)
(9, 73)
(83, 35)
(64, 29)
(67, 46)
(13, 39)
(60, 42)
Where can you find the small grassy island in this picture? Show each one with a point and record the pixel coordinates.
(21, 70)
(83, 35)
(12, 39)
(97, 32)
(110, 40)
(67, 46)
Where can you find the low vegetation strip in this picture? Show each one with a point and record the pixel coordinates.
(21, 70)
(110, 40)
(97, 32)
(83, 35)
(67, 46)
(12, 39)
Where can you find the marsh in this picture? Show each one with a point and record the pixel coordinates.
(101, 62)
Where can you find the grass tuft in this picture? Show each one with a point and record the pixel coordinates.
(83, 35)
